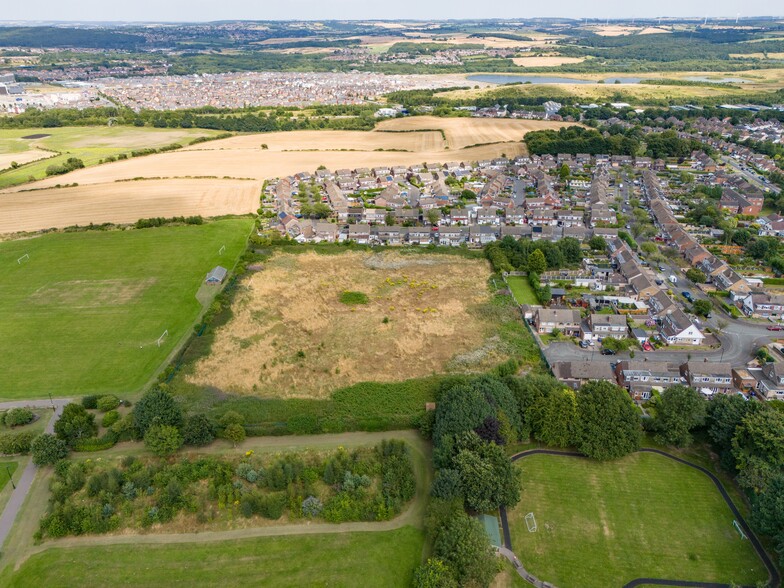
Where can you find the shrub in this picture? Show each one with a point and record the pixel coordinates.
(17, 417)
(75, 424)
(163, 440)
(231, 417)
(234, 433)
(14, 443)
(107, 403)
(110, 418)
(312, 507)
(48, 449)
(90, 402)
(157, 406)
(351, 298)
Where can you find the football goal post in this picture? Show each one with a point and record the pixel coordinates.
(739, 529)
(162, 337)
(222, 250)
(530, 522)
(25, 257)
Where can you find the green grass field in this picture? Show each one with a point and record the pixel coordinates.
(522, 290)
(90, 144)
(605, 524)
(342, 559)
(83, 313)
(6, 468)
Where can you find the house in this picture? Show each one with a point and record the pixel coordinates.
(419, 235)
(359, 233)
(770, 381)
(677, 329)
(391, 235)
(565, 320)
(577, 373)
(641, 377)
(482, 234)
(607, 325)
(452, 236)
(518, 232)
(732, 282)
(660, 304)
(771, 226)
(642, 287)
(762, 304)
(709, 377)
(216, 275)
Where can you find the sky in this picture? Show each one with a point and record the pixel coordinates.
(204, 10)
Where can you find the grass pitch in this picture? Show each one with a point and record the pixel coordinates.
(605, 524)
(83, 312)
(342, 559)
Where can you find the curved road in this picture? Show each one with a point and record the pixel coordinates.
(774, 576)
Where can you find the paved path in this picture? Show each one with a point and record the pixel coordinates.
(25, 481)
(774, 576)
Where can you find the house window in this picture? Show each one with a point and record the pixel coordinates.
(646, 395)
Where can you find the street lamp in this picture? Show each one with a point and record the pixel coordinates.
(52, 401)
(10, 478)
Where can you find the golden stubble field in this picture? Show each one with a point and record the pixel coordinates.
(290, 336)
(124, 202)
(101, 196)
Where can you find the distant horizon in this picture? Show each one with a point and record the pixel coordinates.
(203, 12)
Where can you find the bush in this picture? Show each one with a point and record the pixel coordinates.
(48, 449)
(156, 407)
(90, 402)
(234, 433)
(16, 417)
(163, 440)
(312, 507)
(15, 443)
(110, 418)
(107, 403)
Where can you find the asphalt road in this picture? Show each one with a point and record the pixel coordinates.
(753, 178)
(25, 481)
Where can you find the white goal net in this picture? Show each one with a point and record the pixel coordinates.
(530, 522)
(162, 337)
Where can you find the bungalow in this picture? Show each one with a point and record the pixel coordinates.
(566, 321)
(709, 377)
(677, 329)
(577, 373)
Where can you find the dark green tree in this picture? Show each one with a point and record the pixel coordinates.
(156, 407)
(679, 410)
(488, 479)
(198, 430)
(537, 262)
(75, 424)
(608, 426)
(465, 548)
(758, 449)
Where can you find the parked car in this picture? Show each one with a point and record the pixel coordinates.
(608, 352)
(584, 344)
(687, 295)
(647, 346)
(775, 328)
(659, 281)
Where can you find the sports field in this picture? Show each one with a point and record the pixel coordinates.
(385, 558)
(605, 524)
(82, 314)
(90, 144)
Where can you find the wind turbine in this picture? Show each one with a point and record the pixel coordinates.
(737, 17)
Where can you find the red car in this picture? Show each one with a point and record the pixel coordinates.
(776, 328)
(647, 346)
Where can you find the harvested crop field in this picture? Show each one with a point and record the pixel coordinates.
(7, 159)
(125, 202)
(464, 132)
(291, 336)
